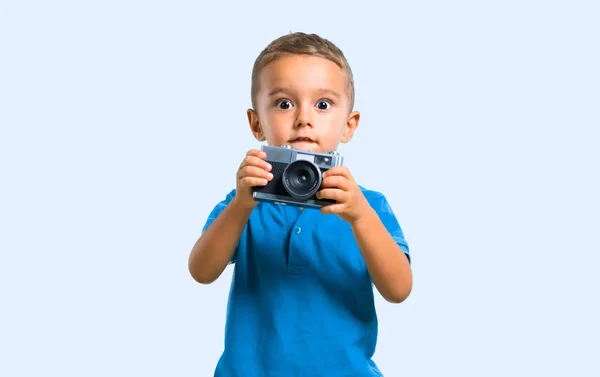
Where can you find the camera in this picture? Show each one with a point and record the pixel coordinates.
(297, 176)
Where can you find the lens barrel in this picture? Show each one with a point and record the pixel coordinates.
(302, 179)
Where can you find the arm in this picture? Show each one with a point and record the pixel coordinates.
(387, 263)
(214, 249)
(388, 266)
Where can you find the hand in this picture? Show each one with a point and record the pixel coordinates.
(253, 171)
(339, 185)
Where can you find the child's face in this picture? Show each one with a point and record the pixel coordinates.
(303, 102)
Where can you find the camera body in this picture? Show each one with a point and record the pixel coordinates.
(297, 176)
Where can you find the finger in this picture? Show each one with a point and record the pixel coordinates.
(253, 181)
(256, 153)
(332, 209)
(336, 181)
(255, 161)
(338, 170)
(254, 171)
(334, 194)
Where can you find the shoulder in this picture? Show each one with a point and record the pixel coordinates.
(228, 197)
(221, 204)
(378, 201)
(382, 207)
(372, 196)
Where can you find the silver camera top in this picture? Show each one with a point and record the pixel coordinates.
(288, 154)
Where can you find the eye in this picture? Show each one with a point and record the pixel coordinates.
(283, 104)
(323, 104)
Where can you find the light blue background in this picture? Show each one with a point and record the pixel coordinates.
(123, 122)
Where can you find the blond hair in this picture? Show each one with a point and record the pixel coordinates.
(301, 44)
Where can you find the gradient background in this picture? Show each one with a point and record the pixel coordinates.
(123, 122)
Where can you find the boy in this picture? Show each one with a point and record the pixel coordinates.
(301, 300)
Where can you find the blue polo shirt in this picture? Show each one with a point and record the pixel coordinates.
(301, 300)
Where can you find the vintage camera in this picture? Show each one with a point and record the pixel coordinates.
(297, 176)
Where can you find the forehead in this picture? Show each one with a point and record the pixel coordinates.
(302, 74)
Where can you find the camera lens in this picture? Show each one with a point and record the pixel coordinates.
(301, 179)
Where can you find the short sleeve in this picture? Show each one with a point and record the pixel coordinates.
(216, 212)
(383, 209)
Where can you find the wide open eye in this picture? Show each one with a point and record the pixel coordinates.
(323, 105)
(284, 104)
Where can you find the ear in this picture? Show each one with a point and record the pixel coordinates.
(351, 125)
(254, 123)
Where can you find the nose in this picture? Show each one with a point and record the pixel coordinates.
(304, 117)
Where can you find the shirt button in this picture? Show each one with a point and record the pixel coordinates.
(298, 230)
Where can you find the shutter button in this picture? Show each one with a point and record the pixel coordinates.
(298, 230)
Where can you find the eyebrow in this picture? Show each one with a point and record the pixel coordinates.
(330, 92)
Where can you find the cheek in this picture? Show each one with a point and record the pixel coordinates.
(335, 122)
(277, 125)
(335, 117)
